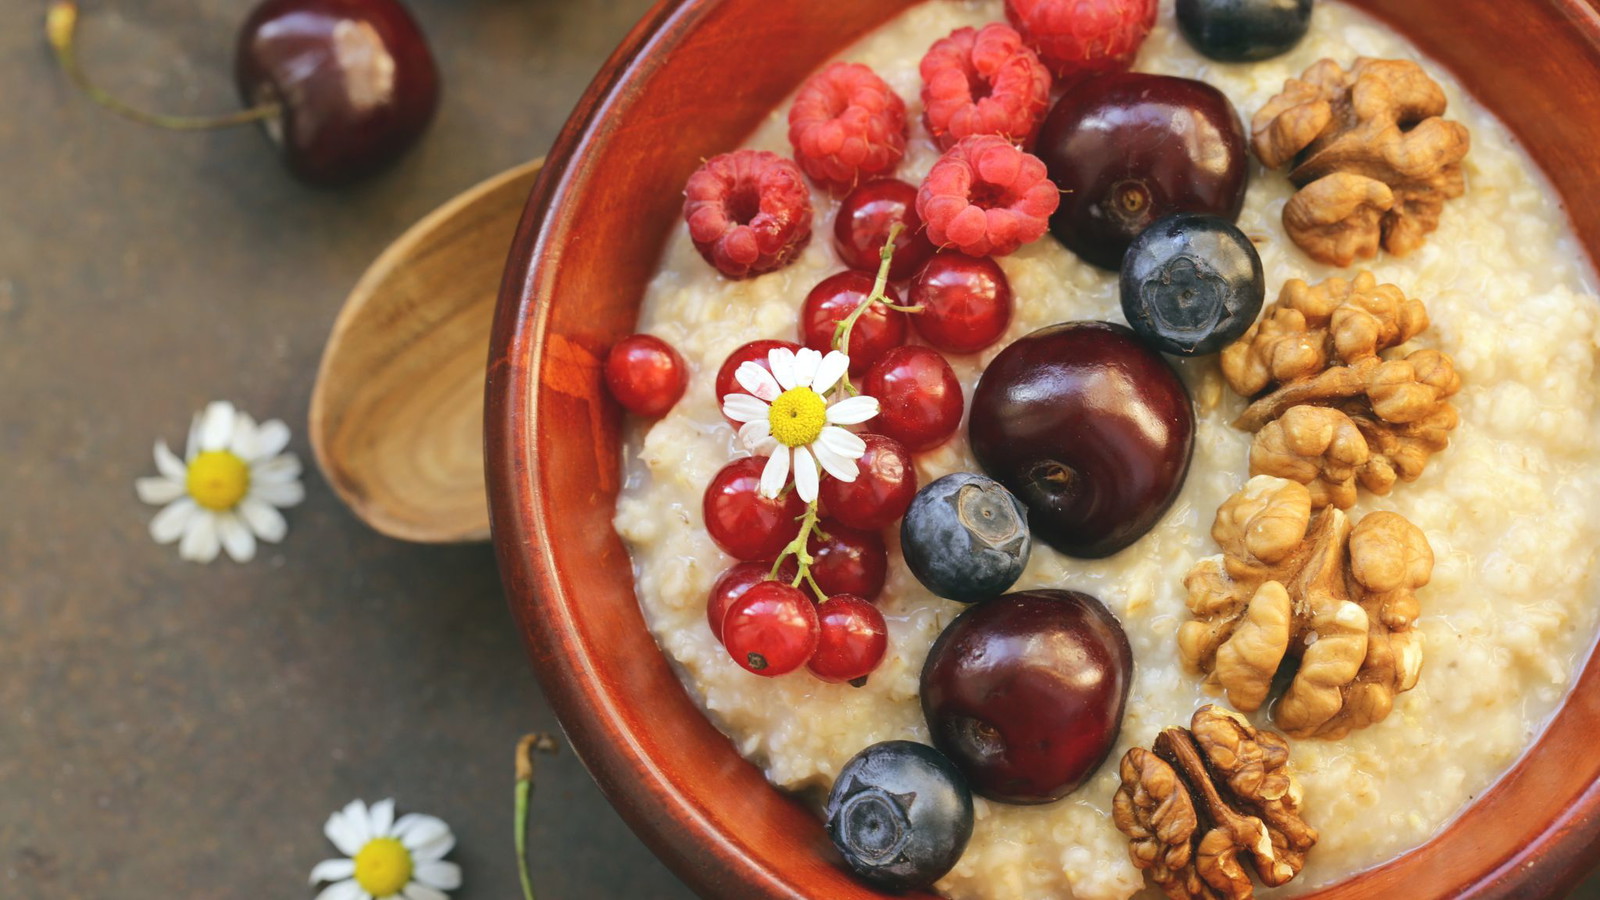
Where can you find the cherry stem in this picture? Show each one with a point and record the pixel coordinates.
(797, 549)
(880, 286)
(61, 25)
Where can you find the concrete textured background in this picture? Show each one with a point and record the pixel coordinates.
(176, 731)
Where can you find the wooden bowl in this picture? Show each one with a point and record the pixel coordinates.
(589, 241)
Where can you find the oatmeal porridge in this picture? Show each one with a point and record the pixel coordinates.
(1508, 508)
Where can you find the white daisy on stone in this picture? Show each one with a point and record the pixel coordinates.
(226, 491)
(386, 858)
(787, 418)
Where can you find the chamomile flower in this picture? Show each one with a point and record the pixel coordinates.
(226, 491)
(386, 858)
(787, 417)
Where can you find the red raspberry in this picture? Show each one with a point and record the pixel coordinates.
(983, 82)
(985, 197)
(846, 126)
(1076, 37)
(748, 211)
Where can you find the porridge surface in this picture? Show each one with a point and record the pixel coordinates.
(1509, 507)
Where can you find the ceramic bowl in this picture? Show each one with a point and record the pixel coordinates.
(588, 243)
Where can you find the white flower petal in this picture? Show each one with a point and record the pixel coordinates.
(243, 442)
(158, 490)
(845, 443)
(168, 463)
(355, 812)
(271, 438)
(342, 890)
(745, 408)
(755, 378)
(277, 470)
(834, 463)
(752, 434)
(446, 876)
(806, 361)
(434, 849)
(263, 519)
(343, 832)
(171, 523)
(829, 371)
(192, 449)
(805, 474)
(776, 474)
(781, 359)
(332, 870)
(852, 411)
(382, 817)
(416, 890)
(216, 425)
(280, 495)
(236, 538)
(415, 830)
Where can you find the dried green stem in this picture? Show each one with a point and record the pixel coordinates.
(544, 743)
(880, 287)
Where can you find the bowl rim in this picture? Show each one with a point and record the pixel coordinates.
(1554, 860)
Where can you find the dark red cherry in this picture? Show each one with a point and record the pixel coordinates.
(965, 300)
(1129, 148)
(862, 227)
(879, 330)
(354, 79)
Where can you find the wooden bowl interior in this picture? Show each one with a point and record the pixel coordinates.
(683, 87)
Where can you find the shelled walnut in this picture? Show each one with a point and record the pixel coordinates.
(1337, 602)
(1372, 157)
(1208, 800)
(1332, 412)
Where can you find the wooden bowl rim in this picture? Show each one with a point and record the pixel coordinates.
(715, 863)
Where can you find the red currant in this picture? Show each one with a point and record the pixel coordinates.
(732, 584)
(646, 375)
(771, 630)
(884, 487)
(965, 300)
(862, 228)
(879, 330)
(919, 397)
(756, 352)
(848, 561)
(745, 524)
(851, 640)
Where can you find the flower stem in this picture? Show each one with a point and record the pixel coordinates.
(60, 27)
(841, 331)
(544, 743)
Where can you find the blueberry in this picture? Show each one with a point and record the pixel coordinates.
(1191, 284)
(966, 537)
(1244, 30)
(900, 814)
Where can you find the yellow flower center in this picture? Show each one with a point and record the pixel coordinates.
(218, 480)
(797, 416)
(383, 867)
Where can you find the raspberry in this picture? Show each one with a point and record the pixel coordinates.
(846, 125)
(1077, 37)
(985, 197)
(983, 82)
(748, 211)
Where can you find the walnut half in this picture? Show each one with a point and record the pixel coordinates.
(1374, 161)
(1313, 590)
(1211, 803)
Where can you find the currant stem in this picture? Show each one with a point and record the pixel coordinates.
(61, 25)
(841, 331)
(797, 549)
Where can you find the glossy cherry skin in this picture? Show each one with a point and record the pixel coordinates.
(879, 330)
(355, 81)
(965, 300)
(848, 561)
(1025, 693)
(1129, 148)
(886, 483)
(732, 584)
(919, 397)
(646, 375)
(1090, 428)
(771, 630)
(756, 352)
(851, 641)
(743, 523)
(862, 228)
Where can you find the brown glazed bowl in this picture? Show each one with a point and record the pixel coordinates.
(693, 80)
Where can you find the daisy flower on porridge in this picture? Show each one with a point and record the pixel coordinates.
(226, 491)
(386, 857)
(787, 418)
